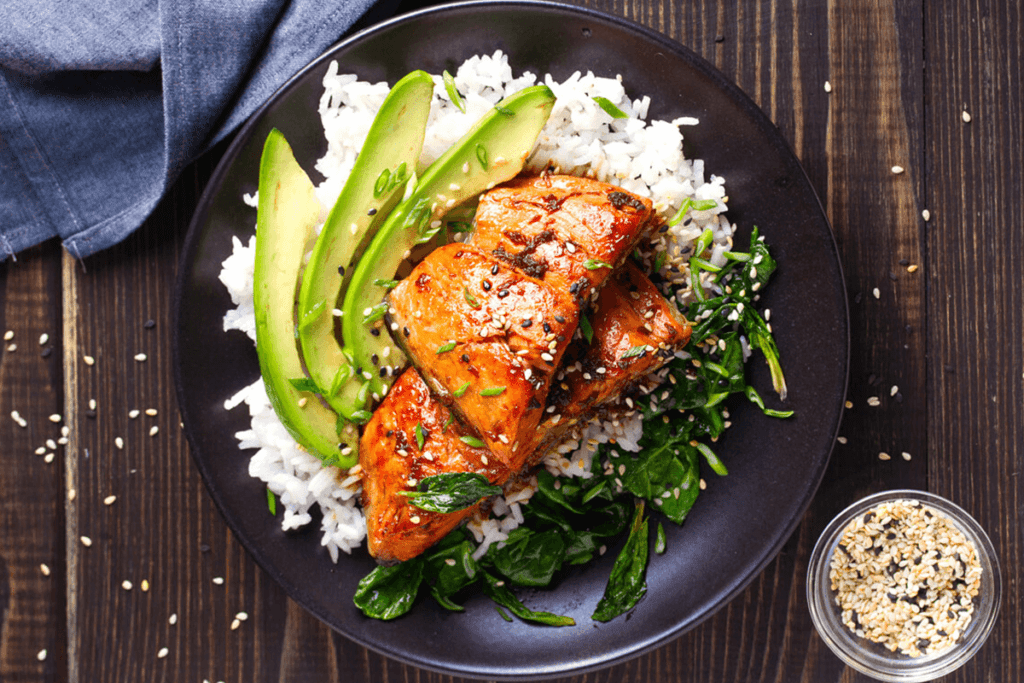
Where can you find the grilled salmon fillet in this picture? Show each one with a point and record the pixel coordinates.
(635, 331)
(393, 462)
(571, 232)
(487, 338)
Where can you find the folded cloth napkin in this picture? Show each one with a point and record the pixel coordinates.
(104, 102)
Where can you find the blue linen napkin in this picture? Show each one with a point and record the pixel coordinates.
(104, 102)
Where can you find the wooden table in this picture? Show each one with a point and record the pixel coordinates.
(937, 313)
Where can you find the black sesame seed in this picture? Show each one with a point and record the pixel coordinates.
(503, 293)
(868, 517)
(923, 644)
(892, 276)
(534, 403)
(90, 413)
(149, 324)
(45, 353)
(383, 372)
(375, 332)
(341, 271)
(389, 433)
(494, 269)
(719, 38)
(547, 328)
(375, 359)
(405, 331)
(904, 262)
(559, 319)
(203, 548)
(371, 212)
(487, 285)
(527, 322)
(465, 358)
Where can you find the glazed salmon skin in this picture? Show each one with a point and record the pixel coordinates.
(571, 232)
(635, 332)
(487, 339)
(393, 462)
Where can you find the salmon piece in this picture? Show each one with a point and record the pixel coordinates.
(487, 339)
(393, 462)
(562, 229)
(636, 331)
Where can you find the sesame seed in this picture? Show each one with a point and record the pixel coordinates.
(875, 293)
(119, 442)
(49, 458)
(8, 335)
(173, 619)
(140, 357)
(151, 412)
(41, 655)
(912, 268)
(926, 215)
(905, 455)
(51, 444)
(55, 418)
(849, 404)
(12, 347)
(235, 623)
(828, 87)
(144, 586)
(92, 404)
(897, 170)
(218, 580)
(841, 439)
(894, 390)
(883, 456)
(71, 494)
(153, 430)
(43, 338)
(242, 616)
(45, 569)
(126, 584)
(965, 115)
(133, 414)
(874, 401)
(86, 541)
(162, 653)
(109, 500)
(415, 519)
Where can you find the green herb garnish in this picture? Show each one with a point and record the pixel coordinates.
(375, 313)
(635, 352)
(594, 264)
(421, 435)
(453, 92)
(461, 390)
(445, 348)
(382, 183)
(481, 155)
(470, 299)
(586, 329)
(271, 502)
(304, 384)
(451, 492)
(610, 108)
(492, 391)
(472, 441)
(386, 284)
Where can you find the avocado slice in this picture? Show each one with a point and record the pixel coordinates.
(492, 152)
(286, 216)
(386, 161)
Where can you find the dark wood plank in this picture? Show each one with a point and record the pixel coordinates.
(976, 306)
(32, 500)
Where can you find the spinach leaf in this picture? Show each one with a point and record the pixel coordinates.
(499, 593)
(451, 492)
(450, 568)
(530, 558)
(389, 592)
(627, 583)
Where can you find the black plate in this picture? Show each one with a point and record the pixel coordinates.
(738, 524)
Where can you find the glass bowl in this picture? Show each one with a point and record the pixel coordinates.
(873, 658)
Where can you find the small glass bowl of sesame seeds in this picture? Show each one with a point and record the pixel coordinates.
(904, 586)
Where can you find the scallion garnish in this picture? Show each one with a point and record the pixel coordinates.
(421, 435)
(472, 441)
(453, 92)
(635, 352)
(610, 108)
(461, 390)
(586, 329)
(382, 183)
(594, 264)
(386, 284)
(481, 155)
(271, 502)
(445, 348)
(492, 391)
(470, 299)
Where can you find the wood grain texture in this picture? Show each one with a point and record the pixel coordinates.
(948, 336)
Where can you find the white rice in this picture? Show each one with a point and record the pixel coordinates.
(644, 157)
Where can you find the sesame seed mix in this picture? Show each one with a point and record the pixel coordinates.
(905, 577)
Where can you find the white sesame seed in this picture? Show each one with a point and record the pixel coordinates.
(8, 335)
(905, 455)
(153, 430)
(235, 623)
(51, 444)
(109, 500)
(218, 580)
(49, 458)
(89, 360)
(841, 439)
(43, 338)
(894, 390)
(965, 115)
(71, 494)
(162, 653)
(45, 569)
(41, 655)
(126, 584)
(874, 401)
(40, 450)
(926, 215)
(11, 348)
(883, 456)
(242, 616)
(65, 430)
(119, 442)
(133, 414)
(912, 268)
(875, 293)
(86, 541)
(144, 586)
(897, 170)
(140, 357)
(828, 87)
(173, 619)
(92, 404)
(55, 418)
